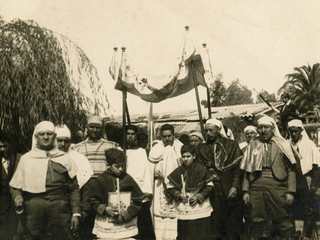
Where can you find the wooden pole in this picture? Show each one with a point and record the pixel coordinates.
(124, 103)
(124, 121)
(127, 111)
(208, 103)
(197, 96)
(208, 90)
(193, 75)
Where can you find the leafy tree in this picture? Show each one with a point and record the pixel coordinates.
(44, 76)
(237, 94)
(269, 97)
(303, 87)
(217, 92)
(237, 125)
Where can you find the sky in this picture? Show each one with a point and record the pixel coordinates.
(257, 42)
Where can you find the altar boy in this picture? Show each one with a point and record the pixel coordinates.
(189, 185)
(117, 199)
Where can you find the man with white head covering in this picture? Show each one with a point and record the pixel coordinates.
(307, 171)
(250, 132)
(195, 139)
(270, 181)
(84, 172)
(93, 148)
(221, 156)
(45, 185)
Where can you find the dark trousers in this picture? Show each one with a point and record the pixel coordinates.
(226, 218)
(268, 203)
(46, 219)
(144, 223)
(8, 224)
(302, 207)
(199, 229)
(86, 226)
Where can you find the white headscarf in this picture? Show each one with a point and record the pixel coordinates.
(266, 120)
(252, 158)
(250, 128)
(307, 149)
(63, 131)
(84, 171)
(216, 122)
(42, 126)
(197, 134)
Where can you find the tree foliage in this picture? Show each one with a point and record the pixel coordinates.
(303, 87)
(217, 92)
(44, 76)
(237, 94)
(269, 97)
(237, 125)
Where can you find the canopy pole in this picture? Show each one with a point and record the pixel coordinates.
(124, 120)
(208, 88)
(150, 125)
(208, 103)
(124, 111)
(196, 90)
(197, 97)
(127, 111)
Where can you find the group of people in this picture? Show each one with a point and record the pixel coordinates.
(210, 187)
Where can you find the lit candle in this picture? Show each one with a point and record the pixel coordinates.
(118, 191)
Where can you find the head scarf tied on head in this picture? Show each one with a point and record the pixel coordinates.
(30, 175)
(250, 128)
(252, 158)
(197, 134)
(216, 122)
(63, 131)
(307, 149)
(40, 127)
(266, 120)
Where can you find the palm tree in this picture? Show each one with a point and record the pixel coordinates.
(44, 76)
(303, 87)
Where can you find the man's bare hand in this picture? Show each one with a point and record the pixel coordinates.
(75, 223)
(232, 193)
(246, 198)
(289, 199)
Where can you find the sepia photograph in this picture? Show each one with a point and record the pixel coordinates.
(160, 119)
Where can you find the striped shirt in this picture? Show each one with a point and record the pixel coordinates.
(95, 152)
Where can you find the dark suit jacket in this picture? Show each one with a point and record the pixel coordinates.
(281, 167)
(5, 196)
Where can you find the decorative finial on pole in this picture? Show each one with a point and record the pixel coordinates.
(123, 49)
(204, 45)
(115, 49)
(187, 28)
